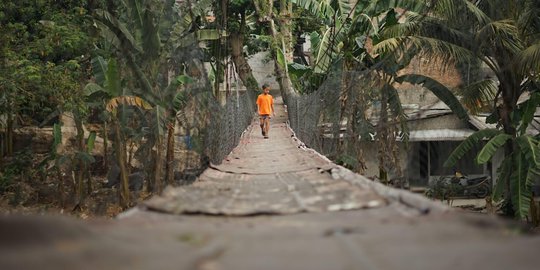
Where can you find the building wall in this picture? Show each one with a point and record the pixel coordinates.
(262, 67)
(370, 154)
(414, 94)
(413, 161)
(449, 121)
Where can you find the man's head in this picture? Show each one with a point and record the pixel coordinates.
(266, 88)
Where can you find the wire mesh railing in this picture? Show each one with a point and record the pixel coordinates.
(227, 125)
(337, 110)
(209, 131)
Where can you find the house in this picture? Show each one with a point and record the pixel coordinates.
(435, 131)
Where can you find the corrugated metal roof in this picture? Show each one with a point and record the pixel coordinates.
(439, 135)
(480, 122)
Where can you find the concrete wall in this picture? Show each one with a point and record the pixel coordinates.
(262, 67)
(370, 154)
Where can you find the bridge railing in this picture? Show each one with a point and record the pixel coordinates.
(331, 119)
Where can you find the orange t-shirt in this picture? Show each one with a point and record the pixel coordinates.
(265, 103)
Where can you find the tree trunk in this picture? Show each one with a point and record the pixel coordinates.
(81, 164)
(9, 135)
(509, 88)
(158, 165)
(236, 41)
(169, 162)
(2, 149)
(505, 116)
(382, 134)
(105, 146)
(120, 151)
(264, 9)
(345, 110)
(285, 25)
(60, 187)
(282, 77)
(219, 68)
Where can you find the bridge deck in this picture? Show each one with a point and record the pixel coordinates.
(273, 204)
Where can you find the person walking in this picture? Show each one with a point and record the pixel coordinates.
(265, 107)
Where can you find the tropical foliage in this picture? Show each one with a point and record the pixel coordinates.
(136, 66)
(495, 32)
(355, 39)
(383, 36)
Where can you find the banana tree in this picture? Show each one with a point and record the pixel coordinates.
(156, 45)
(108, 93)
(520, 168)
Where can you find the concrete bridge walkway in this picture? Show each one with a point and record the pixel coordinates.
(273, 204)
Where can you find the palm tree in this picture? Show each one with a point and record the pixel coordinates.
(504, 35)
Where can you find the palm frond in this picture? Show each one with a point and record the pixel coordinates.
(476, 11)
(529, 59)
(431, 47)
(502, 32)
(389, 45)
(468, 144)
(449, 52)
(411, 5)
(439, 90)
(409, 27)
(529, 19)
(478, 94)
(491, 148)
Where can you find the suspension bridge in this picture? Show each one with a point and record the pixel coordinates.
(273, 204)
